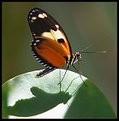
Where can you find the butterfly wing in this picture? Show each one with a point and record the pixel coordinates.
(50, 45)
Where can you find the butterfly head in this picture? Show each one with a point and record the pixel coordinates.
(75, 57)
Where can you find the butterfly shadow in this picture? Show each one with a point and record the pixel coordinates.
(41, 102)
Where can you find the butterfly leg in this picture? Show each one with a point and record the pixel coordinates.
(80, 73)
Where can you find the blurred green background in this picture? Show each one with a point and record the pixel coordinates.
(85, 23)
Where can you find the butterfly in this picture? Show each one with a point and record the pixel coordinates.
(50, 45)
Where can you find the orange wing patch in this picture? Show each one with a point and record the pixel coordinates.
(52, 51)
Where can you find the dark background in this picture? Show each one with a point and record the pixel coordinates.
(92, 24)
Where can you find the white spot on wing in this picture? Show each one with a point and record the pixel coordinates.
(34, 18)
(41, 16)
(45, 64)
(31, 21)
(31, 13)
(34, 10)
(39, 61)
(33, 54)
(49, 67)
(42, 63)
(57, 26)
(33, 33)
(34, 44)
(37, 40)
(44, 15)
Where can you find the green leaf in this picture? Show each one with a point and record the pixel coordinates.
(26, 95)
(90, 103)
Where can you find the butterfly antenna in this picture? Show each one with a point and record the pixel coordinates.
(84, 50)
(89, 46)
(93, 52)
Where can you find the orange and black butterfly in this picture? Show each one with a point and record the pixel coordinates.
(50, 45)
